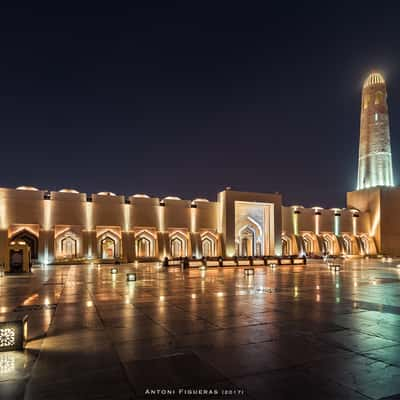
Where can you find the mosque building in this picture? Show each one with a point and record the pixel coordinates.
(68, 226)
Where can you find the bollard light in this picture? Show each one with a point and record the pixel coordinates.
(202, 267)
(13, 334)
(131, 277)
(114, 270)
(272, 266)
(249, 271)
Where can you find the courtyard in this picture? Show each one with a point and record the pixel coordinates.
(288, 332)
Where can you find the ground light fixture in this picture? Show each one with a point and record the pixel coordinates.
(272, 266)
(13, 333)
(202, 268)
(131, 277)
(114, 270)
(249, 271)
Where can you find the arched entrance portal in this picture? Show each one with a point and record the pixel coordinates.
(247, 242)
(107, 248)
(30, 239)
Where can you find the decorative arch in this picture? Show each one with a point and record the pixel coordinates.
(208, 244)
(250, 239)
(308, 243)
(25, 235)
(178, 244)
(365, 245)
(348, 245)
(68, 244)
(287, 248)
(329, 244)
(109, 245)
(145, 244)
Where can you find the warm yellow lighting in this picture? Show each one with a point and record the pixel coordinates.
(69, 191)
(220, 294)
(373, 79)
(317, 287)
(31, 188)
(89, 303)
(162, 298)
(106, 194)
(194, 296)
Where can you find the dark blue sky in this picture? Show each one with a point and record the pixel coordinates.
(186, 98)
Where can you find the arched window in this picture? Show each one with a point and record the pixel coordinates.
(67, 244)
(208, 245)
(365, 244)
(286, 246)
(308, 244)
(30, 239)
(178, 244)
(69, 247)
(107, 248)
(348, 245)
(379, 97)
(328, 244)
(145, 244)
(109, 245)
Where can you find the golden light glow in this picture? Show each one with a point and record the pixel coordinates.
(373, 79)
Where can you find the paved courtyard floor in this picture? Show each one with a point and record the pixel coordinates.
(294, 332)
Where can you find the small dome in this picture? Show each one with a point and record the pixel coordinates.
(172, 198)
(106, 194)
(201, 200)
(373, 79)
(27, 188)
(141, 196)
(68, 191)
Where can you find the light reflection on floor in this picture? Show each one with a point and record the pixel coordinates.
(280, 331)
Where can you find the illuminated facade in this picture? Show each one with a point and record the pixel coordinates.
(68, 226)
(375, 156)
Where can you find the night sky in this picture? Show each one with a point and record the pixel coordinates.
(186, 98)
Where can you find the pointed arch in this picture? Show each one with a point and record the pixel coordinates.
(208, 244)
(348, 244)
(145, 244)
(109, 245)
(328, 243)
(68, 244)
(308, 243)
(178, 244)
(27, 236)
(287, 248)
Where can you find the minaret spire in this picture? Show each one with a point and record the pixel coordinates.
(375, 156)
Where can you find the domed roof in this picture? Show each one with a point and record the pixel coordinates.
(141, 195)
(373, 79)
(172, 198)
(200, 200)
(106, 194)
(27, 188)
(68, 191)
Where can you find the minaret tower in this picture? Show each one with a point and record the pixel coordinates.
(375, 156)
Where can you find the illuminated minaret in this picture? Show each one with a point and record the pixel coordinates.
(375, 156)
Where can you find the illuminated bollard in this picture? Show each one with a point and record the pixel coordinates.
(114, 270)
(249, 271)
(131, 277)
(13, 334)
